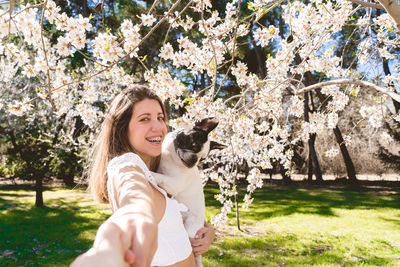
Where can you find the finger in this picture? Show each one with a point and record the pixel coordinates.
(145, 243)
(197, 242)
(129, 257)
(201, 232)
(199, 251)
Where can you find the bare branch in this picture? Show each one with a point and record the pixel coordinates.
(45, 57)
(233, 48)
(393, 8)
(367, 4)
(214, 55)
(383, 90)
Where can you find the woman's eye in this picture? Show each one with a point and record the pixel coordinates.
(144, 119)
(161, 118)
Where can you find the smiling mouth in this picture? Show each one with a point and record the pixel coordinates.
(154, 140)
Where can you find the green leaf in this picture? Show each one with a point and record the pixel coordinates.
(188, 100)
(143, 58)
(354, 92)
(212, 64)
(74, 73)
(271, 30)
(390, 29)
(91, 16)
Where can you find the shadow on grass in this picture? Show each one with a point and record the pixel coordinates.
(282, 201)
(54, 234)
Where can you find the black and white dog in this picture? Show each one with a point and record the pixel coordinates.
(178, 173)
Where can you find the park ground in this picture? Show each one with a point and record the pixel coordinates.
(297, 225)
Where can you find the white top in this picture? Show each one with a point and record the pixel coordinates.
(173, 240)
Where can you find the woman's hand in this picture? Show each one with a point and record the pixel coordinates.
(125, 239)
(110, 249)
(203, 239)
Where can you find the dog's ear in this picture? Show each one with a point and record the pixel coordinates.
(206, 125)
(170, 128)
(216, 145)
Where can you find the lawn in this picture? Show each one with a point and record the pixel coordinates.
(284, 226)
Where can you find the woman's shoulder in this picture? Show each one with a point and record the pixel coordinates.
(128, 159)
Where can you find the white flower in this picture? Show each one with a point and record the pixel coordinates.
(263, 36)
(385, 138)
(63, 46)
(148, 20)
(28, 71)
(19, 108)
(331, 152)
(347, 139)
(333, 119)
(87, 113)
(397, 117)
(167, 52)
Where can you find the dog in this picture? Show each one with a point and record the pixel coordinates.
(178, 172)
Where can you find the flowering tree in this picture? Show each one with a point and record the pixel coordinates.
(199, 70)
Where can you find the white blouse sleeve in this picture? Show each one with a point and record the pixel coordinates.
(113, 169)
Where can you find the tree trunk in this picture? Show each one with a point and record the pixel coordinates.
(310, 166)
(351, 171)
(85, 9)
(343, 148)
(39, 192)
(311, 145)
(237, 213)
(236, 200)
(260, 60)
(387, 72)
(285, 177)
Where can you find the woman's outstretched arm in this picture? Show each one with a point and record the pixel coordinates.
(130, 234)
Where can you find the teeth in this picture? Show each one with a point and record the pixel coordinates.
(156, 139)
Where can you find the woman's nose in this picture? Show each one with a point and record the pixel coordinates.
(157, 125)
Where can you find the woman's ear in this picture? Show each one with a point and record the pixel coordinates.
(216, 145)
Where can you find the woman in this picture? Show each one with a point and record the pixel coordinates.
(146, 227)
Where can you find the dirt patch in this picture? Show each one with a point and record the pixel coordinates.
(232, 231)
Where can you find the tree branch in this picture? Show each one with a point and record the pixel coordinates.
(393, 8)
(367, 4)
(352, 82)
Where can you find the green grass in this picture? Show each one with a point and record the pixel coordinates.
(284, 226)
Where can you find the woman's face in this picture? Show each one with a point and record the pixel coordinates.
(147, 129)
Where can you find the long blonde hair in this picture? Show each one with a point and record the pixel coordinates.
(112, 140)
